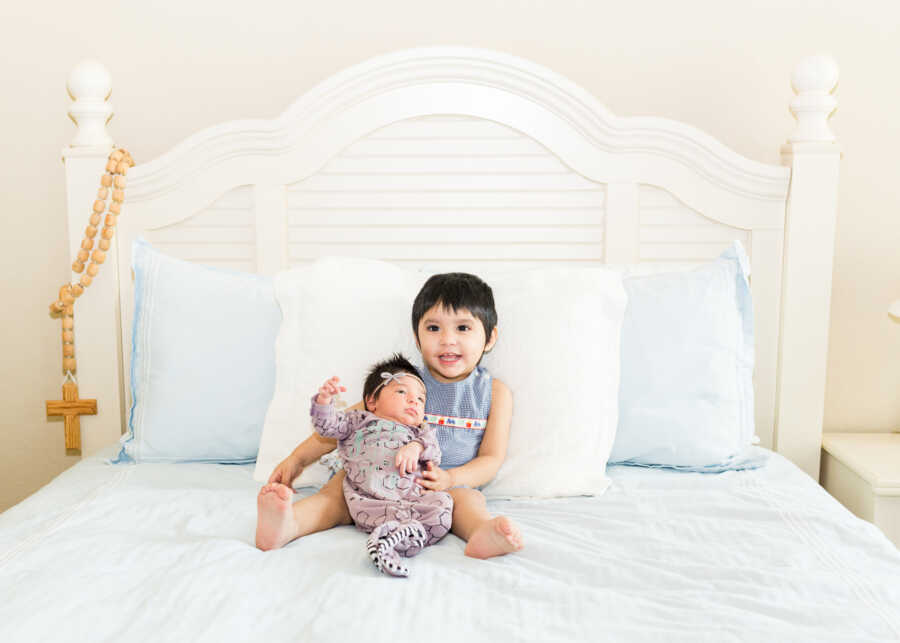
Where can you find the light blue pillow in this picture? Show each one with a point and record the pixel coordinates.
(686, 387)
(202, 361)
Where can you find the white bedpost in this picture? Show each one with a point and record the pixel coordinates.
(97, 317)
(814, 157)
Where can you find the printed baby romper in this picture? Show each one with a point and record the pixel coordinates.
(402, 516)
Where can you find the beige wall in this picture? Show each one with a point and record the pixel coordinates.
(181, 66)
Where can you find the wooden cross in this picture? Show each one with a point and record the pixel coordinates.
(71, 407)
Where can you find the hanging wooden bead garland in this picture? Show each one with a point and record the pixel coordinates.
(88, 261)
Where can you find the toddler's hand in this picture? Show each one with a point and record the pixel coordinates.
(434, 478)
(329, 389)
(286, 471)
(407, 459)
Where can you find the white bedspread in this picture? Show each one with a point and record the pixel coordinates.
(165, 553)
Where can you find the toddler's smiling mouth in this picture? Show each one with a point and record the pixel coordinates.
(449, 357)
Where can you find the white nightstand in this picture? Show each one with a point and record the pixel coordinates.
(862, 470)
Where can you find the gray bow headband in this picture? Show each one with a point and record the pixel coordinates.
(387, 377)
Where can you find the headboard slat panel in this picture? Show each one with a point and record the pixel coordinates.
(271, 222)
(622, 224)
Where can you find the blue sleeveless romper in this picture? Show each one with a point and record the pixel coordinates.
(458, 412)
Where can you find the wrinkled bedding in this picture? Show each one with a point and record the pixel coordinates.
(166, 553)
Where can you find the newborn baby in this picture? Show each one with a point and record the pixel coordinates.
(381, 449)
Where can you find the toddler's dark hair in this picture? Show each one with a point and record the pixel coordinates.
(396, 363)
(455, 290)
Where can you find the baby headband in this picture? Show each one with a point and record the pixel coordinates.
(387, 377)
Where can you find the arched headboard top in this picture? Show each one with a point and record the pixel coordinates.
(527, 97)
(533, 170)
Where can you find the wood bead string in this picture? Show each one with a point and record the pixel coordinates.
(112, 184)
(71, 407)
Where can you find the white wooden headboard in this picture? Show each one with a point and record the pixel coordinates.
(466, 159)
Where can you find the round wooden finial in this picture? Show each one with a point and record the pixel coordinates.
(90, 85)
(814, 79)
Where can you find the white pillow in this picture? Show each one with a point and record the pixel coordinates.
(558, 352)
(340, 316)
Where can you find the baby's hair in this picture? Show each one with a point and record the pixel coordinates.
(395, 364)
(455, 290)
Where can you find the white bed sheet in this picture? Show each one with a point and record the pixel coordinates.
(165, 553)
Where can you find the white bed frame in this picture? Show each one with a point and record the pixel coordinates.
(465, 158)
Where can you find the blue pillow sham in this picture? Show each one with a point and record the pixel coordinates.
(202, 361)
(686, 387)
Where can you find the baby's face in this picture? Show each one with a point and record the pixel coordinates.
(402, 401)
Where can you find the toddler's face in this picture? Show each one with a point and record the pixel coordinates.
(402, 401)
(452, 342)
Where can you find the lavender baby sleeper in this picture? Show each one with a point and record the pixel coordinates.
(402, 516)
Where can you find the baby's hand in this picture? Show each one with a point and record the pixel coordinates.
(407, 459)
(329, 389)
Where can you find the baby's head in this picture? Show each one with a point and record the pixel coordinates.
(455, 323)
(394, 391)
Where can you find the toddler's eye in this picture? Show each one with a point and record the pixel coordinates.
(464, 328)
(432, 328)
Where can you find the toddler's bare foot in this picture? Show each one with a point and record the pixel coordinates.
(494, 538)
(275, 518)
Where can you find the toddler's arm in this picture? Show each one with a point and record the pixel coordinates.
(307, 452)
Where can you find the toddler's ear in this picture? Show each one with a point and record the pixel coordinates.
(369, 403)
(489, 344)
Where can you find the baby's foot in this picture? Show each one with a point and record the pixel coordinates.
(389, 561)
(275, 524)
(494, 538)
(372, 547)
